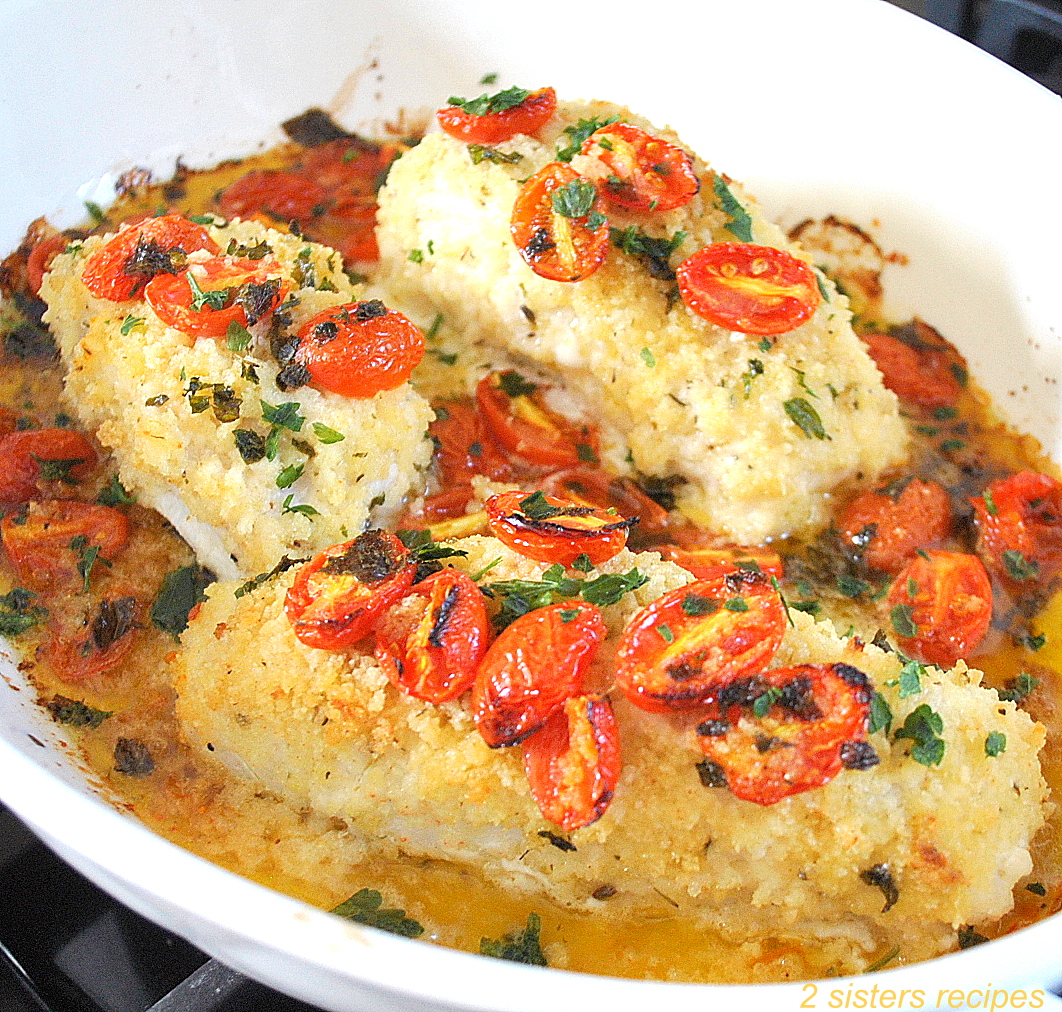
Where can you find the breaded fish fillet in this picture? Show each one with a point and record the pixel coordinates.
(676, 396)
(151, 393)
(327, 730)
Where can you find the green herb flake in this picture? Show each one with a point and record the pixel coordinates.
(582, 563)
(76, 712)
(251, 446)
(910, 681)
(968, 937)
(806, 418)
(1017, 689)
(290, 474)
(95, 212)
(519, 947)
(736, 604)
(995, 744)
(366, 907)
(283, 416)
(237, 337)
(489, 78)
(1034, 643)
(181, 590)
(18, 613)
(1018, 567)
(303, 509)
(697, 605)
(649, 358)
(88, 556)
(114, 494)
(575, 199)
(481, 153)
(880, 714)
(902, 618)
(485, 104)
(514, 385)
(216, 299)
(923, 726)
(990, 503)
(665, 633)
(1036, 888)
(131, 323)
(852, 586)
(416, 256)
(326, 434)
(755, 369)
(52, 469)
(578, 134)
(762, 704)
(740, 225)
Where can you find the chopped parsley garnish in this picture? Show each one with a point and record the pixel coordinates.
(649, 358)
(509, 98)
(303, 509)
(740, 225)
(910, 680)
(416, 256)
(76, 712)
(427, 553)
(181, 590)
(880, 714)
(923, 726)
(578, 134)
(755, 369)
(95, 212)
(574, 199)
(518, 597)
(514, 385)
(366, 907)
(1036, 888)
(1017, 689)
(1018, 567)
(57, 470)
(255, 582)
(665, 633)
(87, 557)
(762, 704)
(969, 938)
(251, 446)
(131, 323)
(481, 153)
(520, 946)
(990, 503)
(237, 337)
(654, 252)
(995, 744)
(1034, 643)
(736, 604)
(326, 434)
(806, 418)
(216, 299)
(114, 493)
(290, 474)
(902, 618)
(18, 613)
(696, 605)
(852, 586)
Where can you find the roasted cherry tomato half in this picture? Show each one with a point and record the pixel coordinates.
(547, 529)
(645, 172)
(886, 527)
(748, 288)
(54, 544)
(499, 121)
(941, 606)
(1019, 526)
(590, 486)
(681, 649)
(573, 762)
(81, 649)
(33, 456)
(285, 196)
(465, 445)
(121, 268)
(918, 365)
(338, 596)
(207, 298)
(436, 658)
(534, 665)
(786, 731)
(711, 563)
(359, 349)
(556, 225)
(513, 410)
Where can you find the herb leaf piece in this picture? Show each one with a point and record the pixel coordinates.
(520, 946)
(366, 907)
(181, 591)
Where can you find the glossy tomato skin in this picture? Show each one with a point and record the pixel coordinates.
(712, 563)
(679, 651)
(645, 172)
(947, 596)
(523, 425)
(42, 541)
(23, 456)
(438, 657)
(1020, 533)
(465, 445)
(564, 532)
(573, 762)
(253, 286)
(534, 665)
(749, 288)
(533, 113)
(285, 196)
(815, 726)
(120, 269)
(554, 246)
(924, 369)
(359, 349)
(338, 596)
(887, 529)
(101, 640)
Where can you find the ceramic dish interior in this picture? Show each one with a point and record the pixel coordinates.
(844, 106)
